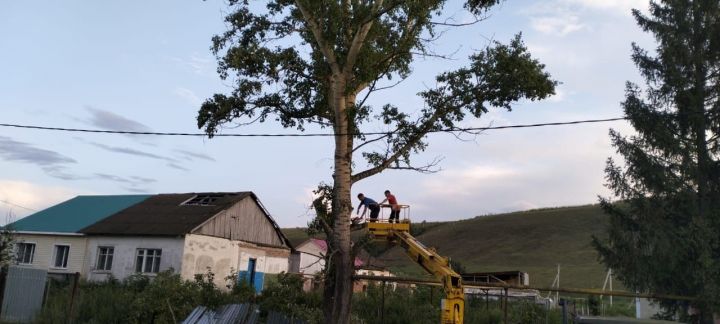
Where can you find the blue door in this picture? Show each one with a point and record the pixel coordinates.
(252, 277)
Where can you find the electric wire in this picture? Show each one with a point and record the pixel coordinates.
(16, 205)
(452, 130)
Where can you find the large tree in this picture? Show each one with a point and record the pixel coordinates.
(308, 62)
(664, 227)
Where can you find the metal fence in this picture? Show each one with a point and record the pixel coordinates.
(23, 293)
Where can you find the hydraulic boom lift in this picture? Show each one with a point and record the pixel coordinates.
(452, 306)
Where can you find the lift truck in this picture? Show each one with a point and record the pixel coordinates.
(452, 306)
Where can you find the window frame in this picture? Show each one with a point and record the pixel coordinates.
(53, 261)
(32, 254)
(103, 257)
(141, 265)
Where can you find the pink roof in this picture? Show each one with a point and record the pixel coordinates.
(320, 243)
(323, 246)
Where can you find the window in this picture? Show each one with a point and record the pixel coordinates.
(105, 258)
(148, 260)
(204, 200)
(61, 256)
(25, 252)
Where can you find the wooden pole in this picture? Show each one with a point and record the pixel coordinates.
(611, 296)
(505, 307)
(382, 309)
(3, 279)
(557, 293)
(487, 300)
(76, 280)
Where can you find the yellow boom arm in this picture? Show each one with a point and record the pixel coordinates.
(453, 305)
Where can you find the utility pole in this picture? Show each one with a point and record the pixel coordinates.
(557, 293)
(610, 274)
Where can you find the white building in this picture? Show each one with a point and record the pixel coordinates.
(309, 259)
(189, 233)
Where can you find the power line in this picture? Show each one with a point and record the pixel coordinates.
(470, 129)
(16, 205)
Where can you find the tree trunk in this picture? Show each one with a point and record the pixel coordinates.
(343, 267)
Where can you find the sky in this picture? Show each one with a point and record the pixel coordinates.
(147, 66)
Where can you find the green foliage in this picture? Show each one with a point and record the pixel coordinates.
(666, 225)
(7, 245)
(285, 295)
(142, 300)
(164, 298)
(402, 305)
(422, 305)
(594, 305)
(304, 62)
(619, 309)
(240, 289)
(323, 221)
(307, 62)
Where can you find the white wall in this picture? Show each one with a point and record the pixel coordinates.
(202, 252)
(126, 251)
(222, 255)
(45, 251)
(190, 255)
(311, 264)
(266, 262)
(311, 261)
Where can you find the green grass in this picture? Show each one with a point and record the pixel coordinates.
(296, 235)
(532, 241)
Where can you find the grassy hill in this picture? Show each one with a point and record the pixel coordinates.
(532, 241)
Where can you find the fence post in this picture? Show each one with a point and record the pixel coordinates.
(382, 309)
(563, 304)
(76, 277)
(505, 307)
(3, 280)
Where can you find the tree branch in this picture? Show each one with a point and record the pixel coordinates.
(428, 168)
(371, 141)
(358, 42)
(317, 32)
(427, 125)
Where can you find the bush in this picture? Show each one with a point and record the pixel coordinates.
(285, 295)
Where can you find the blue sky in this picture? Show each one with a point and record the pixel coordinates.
(146, 65)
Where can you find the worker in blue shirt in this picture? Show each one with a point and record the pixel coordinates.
(368, 204)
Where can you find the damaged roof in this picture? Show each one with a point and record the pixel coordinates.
(167, 214)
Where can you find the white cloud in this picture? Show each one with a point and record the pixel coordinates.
(557, 25)
(188, 95)
(31, 197)
(618, 6)
(198, 64)
(465, 182)
(559, 96)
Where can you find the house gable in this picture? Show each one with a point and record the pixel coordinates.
(246, 220)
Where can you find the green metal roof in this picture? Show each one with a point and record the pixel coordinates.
(75, 214)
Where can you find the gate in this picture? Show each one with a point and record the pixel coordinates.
(23, 294)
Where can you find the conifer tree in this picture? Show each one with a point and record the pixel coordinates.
(664, 232)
